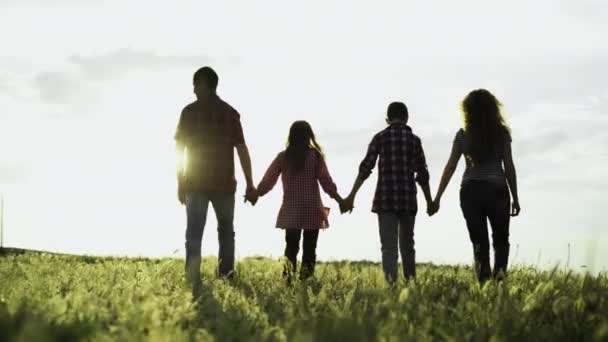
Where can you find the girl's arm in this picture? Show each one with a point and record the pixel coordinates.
(448, 172)
(327, 183)
(271, 176)
(511, 178)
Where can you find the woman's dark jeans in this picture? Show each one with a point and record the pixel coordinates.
(292, 247)
(482, 201)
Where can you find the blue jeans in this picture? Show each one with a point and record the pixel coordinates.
(397, 233)
(197, 204)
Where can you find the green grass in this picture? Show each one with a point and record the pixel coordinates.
(45, 297)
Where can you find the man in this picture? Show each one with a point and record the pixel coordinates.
(401, 164)
(208, 131)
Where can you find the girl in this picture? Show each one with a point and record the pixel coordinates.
(302, 167)
(485, 142)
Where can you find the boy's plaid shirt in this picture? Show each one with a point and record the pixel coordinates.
(401, 164)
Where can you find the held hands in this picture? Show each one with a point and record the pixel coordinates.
(347, 204)
(251, 195)
(432, 207)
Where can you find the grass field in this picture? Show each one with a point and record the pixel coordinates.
(45, 297)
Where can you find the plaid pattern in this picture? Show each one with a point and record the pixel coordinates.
(302, 207)
(210, 129)
(401, 164)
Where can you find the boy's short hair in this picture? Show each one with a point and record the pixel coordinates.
(397, 111)
(207, 75)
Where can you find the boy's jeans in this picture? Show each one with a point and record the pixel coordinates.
(397, 231)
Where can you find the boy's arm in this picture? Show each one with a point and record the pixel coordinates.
(426, 189)
(422, 173)
(365, 170)
(349, 202)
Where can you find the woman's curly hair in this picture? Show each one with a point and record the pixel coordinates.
(484, 124)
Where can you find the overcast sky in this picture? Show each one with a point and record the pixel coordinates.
(90, 94)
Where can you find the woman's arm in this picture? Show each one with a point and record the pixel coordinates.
(448, 172)
(511, 178)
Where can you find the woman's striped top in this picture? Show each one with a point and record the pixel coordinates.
(489, 170)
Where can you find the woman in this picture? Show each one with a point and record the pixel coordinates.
(302, 167)
(485, 142)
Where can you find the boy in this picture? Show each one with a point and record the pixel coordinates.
(401, 164)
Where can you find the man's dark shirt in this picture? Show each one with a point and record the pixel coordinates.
(210, 129)
(401, 163)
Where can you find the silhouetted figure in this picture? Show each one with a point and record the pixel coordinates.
(209, 130)
(302, 168)
(485, 142)
(402, 163)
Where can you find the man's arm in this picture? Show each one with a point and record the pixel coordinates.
(251, 192)
(180, 152)
(245, 159)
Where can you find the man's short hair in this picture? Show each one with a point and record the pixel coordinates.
(207, 75)
(397, 111)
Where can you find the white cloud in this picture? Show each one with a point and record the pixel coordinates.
(58, 87)
(117, 63)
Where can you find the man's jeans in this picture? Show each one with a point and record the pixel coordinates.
(397, 232)
(197, 204)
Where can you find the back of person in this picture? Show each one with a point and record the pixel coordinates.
(401, 165)
(490, 169)
(210, 129)
(302, 168)
(302, 207)
(490, 174)
(302, 185)
(208, 132)
(398, 148)
(401, 162)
